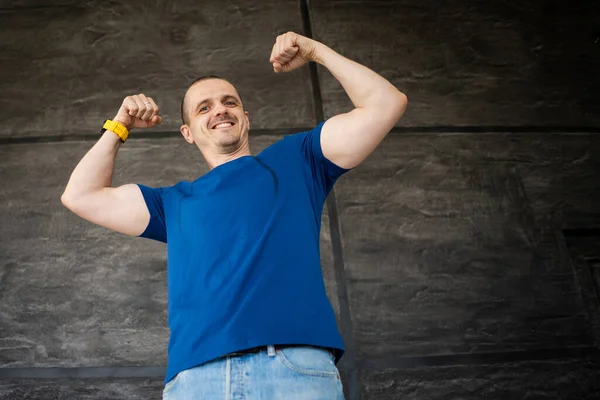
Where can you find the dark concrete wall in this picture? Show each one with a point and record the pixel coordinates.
(461, 258)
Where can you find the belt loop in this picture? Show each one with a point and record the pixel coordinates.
(271, 350)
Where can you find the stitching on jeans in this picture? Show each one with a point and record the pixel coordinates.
(228, 379)
(313, 372)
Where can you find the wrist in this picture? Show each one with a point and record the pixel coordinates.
(116, 126)
(320, 53)
(116, 119)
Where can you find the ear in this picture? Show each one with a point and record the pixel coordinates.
(187, 133)
(247, 119)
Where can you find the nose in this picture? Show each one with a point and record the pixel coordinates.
(220, 109)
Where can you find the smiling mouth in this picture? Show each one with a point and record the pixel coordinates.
(223, 125)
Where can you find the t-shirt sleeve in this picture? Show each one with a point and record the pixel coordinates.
(324, 171)
(157, 227)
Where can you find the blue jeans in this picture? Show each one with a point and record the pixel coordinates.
(290, 373)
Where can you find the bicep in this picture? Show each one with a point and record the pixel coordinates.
(121, 209)
(348, 139)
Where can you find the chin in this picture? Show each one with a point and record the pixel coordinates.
(230, 141)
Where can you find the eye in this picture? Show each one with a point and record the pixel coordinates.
(202, 109)
(230, 102)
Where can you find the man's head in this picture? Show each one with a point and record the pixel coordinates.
(213, 117)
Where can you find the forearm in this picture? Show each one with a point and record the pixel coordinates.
(365, 88)
(95, 169)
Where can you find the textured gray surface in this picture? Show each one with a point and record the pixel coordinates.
(66, 67)
(471, 63)
(584, 252)
(74, 294)
(560, 177)
(452, 244)
(526, 380)
(442, 247)
(87, 389)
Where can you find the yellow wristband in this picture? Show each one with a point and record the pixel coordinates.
(117, 128)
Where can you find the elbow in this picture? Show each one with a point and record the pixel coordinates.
(402, 100)
(72, 203)
(66, 200)
(400, 105)
(69, 199)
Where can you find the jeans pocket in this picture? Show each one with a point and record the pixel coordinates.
(308, 360)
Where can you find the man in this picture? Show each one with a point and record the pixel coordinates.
(248, 312)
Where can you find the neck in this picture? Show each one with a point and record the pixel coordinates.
(215, 159)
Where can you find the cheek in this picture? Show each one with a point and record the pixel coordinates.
(199, 126)
(198, 130)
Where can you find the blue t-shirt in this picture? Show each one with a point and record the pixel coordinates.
(243, 257)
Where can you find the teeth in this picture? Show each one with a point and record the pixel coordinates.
(223, 125)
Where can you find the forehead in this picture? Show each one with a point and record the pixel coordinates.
(209, 89)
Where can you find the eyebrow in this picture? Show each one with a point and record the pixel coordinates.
(224, 97)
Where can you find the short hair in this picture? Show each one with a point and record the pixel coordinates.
(202, 78)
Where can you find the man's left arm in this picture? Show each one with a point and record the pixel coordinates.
(346, 139)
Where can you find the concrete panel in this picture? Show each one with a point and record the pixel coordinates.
(471, 63)
(569, 379)
(441, 249)
(82, 389)
(67, 66)
(584, 256)
(560, 177)
(75, 294)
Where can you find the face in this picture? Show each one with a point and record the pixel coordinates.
(217, 122)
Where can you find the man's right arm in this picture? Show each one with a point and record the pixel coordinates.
(89, 192)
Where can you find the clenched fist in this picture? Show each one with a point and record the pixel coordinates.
(138, 111)
(292, 51)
